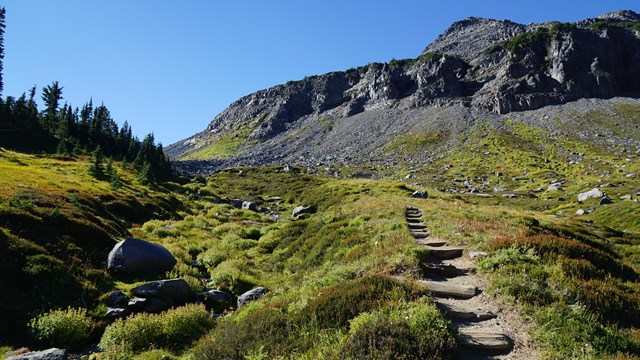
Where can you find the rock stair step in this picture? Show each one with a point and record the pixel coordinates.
(413, 213)
(445, 252)
(414, 220)
(444, 270)
(457, 312)
(445, 289)
(433, 243)
(420, 234)
(416, 226)
(479, 340)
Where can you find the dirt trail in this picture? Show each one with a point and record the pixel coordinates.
(487, 329)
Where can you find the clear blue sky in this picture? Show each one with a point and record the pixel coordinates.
(169, 67)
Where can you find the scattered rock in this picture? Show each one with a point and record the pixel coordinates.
(137, 304)
(49, 354)
(626, 197)
(251, 295)
(554, 187)
(509, 196)
(580, 212)
(249, 205)
(116, 298)
(630, 175)
(591, 194)
(236, 203)
(299, 210)
(499, 189)
(419, 194)
(605, 200)
(484, 195)
(173, 291)
(217, 301)
(116, 313)
(134, 256)
(475, 254)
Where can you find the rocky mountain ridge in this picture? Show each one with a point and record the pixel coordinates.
(477, 66)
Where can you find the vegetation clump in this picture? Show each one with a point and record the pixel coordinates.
(70, 328)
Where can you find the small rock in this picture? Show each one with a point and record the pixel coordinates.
(509, 196)
(115, 313)
(137, 304)
(626, 197)
(605, 201)
(251, 295)
(484, 195)
(593, 193)
(475, 254)
(116, 298)
(554, 187)
(419, 194)
(249, 205)
(499, 189)
(630, 175)
(302, 210)
(217, 301)
(580, 212)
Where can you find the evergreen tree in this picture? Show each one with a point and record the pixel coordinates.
(62, 148)
(2, 25)
(112, 175)
(96, 169)
(51, 95)
(146, 176)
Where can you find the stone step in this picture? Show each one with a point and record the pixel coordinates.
(446, 289)
(443, 270)
(417, 226)
(414, 220)
(432, 243)
(445, 252)
(419, 234)
(456, 312)
(480, 340)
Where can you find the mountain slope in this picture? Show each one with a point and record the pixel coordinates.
(488, 67)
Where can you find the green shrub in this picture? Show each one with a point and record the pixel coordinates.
(70, 328)
(418, 332)
(174, 329)
(512, 255)
(335, 305)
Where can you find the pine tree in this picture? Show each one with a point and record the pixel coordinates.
(96, 169)
(51, 95)
(62, 148)
(112, 175)
(146, 176)
(2, 25)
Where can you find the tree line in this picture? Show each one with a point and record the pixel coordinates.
(78, 131)
(73, 131)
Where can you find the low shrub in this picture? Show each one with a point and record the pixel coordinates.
(70, 328)
(418, 332)
(335, 305)
(174, 329)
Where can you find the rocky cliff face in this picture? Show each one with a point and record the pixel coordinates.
(479, 64)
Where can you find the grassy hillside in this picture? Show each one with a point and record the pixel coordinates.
(57, 224)
(334, 278)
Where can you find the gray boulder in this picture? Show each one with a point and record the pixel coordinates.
(49, 354)
(173, 291)
(591, 194)
(134, 256)
(217, 301)
(299, 210)
(419, 194)
(251, 295)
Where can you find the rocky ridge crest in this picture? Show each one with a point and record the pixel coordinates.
(481, 65)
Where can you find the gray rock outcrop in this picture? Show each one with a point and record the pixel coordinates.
(591, 194)
(134, 256)
(49, 354)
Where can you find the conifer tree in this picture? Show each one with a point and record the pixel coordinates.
(2, 25)
(146, 176)
(51, 95)
(96, 169)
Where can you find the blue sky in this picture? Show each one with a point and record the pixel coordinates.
(169, 67)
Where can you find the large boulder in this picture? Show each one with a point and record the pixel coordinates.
(49, 354)
(251, 295)
(134, 256)
(591, 194)
(173, 291)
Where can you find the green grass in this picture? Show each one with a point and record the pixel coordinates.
(223, 146)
